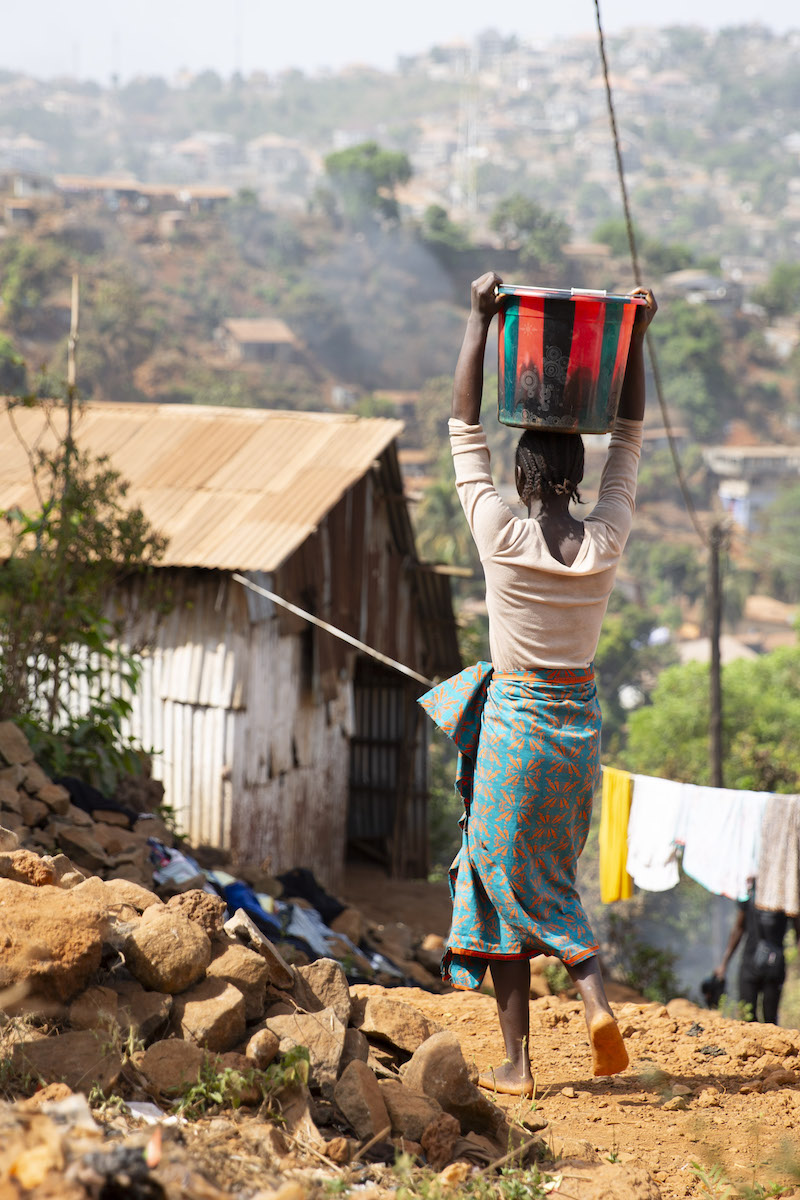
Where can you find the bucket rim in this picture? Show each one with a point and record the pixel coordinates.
(514, 289)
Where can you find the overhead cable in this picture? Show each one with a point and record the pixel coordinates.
(637, 275)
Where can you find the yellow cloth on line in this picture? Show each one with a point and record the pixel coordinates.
(615, 882)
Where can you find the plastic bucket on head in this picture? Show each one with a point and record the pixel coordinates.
(562, 357)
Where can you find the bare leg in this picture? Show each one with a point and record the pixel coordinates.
(608, 1049)
(512, 987)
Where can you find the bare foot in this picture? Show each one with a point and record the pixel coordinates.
(608, 1049)
(506, 1080)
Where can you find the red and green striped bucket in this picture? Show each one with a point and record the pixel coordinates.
(561, 357)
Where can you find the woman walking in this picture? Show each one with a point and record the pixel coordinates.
(527, 726)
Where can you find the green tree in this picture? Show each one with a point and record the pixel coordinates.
(614, 233)
(13, 372)
(760, 715)
(29, 271)
(778, 560)
(119, 332)
(525, 226)
(437, 229)
(365, 177)
(625, 659)
(667, 572)
(692, 351)
(56, 638)
(780, 296)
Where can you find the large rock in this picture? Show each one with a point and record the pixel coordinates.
(359, 1098)
(82, 1060)
(67, 874)
(393, 1021)
(440, 1139)
(14, 746)
(167, 952)
(245, 930)
(438, 1070)
(10, 799)
(115, 841)
(350, 922)
(207, 910)
(322, 1033)
(95, 1009)
(8, 840)
(51, 940)
(145, 1014)
(23, 866)
(262, 1048)
(95, 891)
(171, 1066)
(356, 1047)
(80, 844)
(132, 894)
(35, 778)
(246, 970)
(14, 822)
(14, 776)
(33, 812)
(211, 1014)
(410, 1112)
(323, 984)
(55, 797)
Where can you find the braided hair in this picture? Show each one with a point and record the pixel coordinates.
(550, 463)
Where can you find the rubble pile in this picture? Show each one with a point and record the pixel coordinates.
(126, 995)
(43, 816)
(111, 991)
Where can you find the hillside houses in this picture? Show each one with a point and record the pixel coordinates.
(258, 339)
(750, 477)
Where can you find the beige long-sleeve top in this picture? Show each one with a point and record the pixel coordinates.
(543, 613)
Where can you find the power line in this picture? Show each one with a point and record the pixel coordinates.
(687, 499)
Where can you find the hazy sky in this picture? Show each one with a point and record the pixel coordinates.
(94, 38)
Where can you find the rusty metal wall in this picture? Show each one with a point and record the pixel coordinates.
(251, 759)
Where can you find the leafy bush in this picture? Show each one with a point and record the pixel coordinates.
(62, 673)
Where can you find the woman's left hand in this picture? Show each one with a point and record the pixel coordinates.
(644, 312)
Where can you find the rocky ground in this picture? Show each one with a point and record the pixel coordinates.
(150, 1047)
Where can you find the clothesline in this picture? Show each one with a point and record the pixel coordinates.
(651, 828)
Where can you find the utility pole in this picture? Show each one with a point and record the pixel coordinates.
(717, 542)
(72, 356)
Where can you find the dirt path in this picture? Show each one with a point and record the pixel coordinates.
(680, 1101)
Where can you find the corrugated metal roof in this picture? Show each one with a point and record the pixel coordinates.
(232, 489)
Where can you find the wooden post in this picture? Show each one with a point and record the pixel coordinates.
(72, 358)
(717, 539)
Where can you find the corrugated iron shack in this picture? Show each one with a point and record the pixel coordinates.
(273, 738)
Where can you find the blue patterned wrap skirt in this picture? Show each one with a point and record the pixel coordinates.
(528, 765)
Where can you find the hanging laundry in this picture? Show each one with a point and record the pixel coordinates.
(778, 872)
(615, 882)
(653, 833)
(721, 832)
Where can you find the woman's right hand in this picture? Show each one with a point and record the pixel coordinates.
(644, 312)
(483, 292)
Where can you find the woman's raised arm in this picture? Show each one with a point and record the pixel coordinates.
(631, 401)
(468, 377)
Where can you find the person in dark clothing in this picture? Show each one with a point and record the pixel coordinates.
(762, 969)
